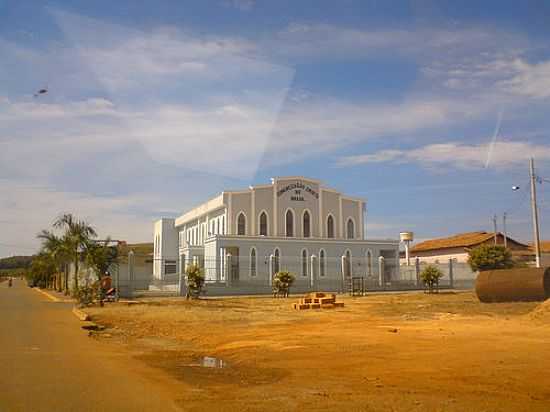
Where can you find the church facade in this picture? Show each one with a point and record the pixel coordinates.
(294, 223)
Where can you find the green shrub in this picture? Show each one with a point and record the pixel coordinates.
(87, 294)
(282, 281)
(430, 277)
(490, 257)
(195, 281)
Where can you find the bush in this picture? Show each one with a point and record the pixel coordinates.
(86, 295)
(490, 257)
(195, 281)
(282, 281)
(430, 277)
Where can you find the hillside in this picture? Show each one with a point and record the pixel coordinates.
(15, 262)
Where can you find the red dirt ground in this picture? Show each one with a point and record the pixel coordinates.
(400, 352)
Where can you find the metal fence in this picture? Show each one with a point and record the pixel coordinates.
(456, 275)
(245, 275)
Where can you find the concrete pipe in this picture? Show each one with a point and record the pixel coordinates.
(513, 285)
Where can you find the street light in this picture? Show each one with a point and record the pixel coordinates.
(533, 178)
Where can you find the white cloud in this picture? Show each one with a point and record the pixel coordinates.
(124, 59)
(457, 155)
(532, 80)
(316, 39)
(227, 138)
(23, 200)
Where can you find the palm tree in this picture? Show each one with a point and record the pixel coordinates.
(42, 269)
(100, 256)
(77, 234)
(54, 246)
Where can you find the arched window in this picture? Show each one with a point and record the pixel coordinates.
(263, 224)
(351, 229)
(241, 224)
(253, 262)
(322, 268)
(369, 263)
(304, 262)
(330, 227)
(289, 219)
(276, 259)
(306, 224)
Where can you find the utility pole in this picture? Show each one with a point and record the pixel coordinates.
(504, 230)
(495, 227)
(534, 210)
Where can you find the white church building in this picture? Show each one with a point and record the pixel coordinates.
(242, 238)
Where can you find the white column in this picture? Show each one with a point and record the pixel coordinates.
(361, 216)
(228, 218)
(380, 270)
(343, 269)
(321, 221)
(253, 212)
(312, 271)
(275, 231)
(271, 268)
(341, 219)
(228, 269)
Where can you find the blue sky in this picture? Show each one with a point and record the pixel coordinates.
(153, 107)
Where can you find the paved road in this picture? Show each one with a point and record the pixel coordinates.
(47, 363)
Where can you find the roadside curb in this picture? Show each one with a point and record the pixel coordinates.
(83, 316)
(49, 295)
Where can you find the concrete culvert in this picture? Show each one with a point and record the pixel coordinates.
(513, 285)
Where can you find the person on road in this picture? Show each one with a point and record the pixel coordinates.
(9, 282)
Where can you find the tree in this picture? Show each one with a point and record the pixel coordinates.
(55, 247)
(195, 281)
(77, 234)
(490, 257)
(43, 268)
(430, 277)
(100, 256)
(282, 281)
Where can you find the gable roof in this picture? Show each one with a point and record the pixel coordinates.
(466, 240)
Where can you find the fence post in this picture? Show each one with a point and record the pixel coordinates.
(343, 267)
(182, 284)
(313, 265)
(451, 274)
(117, 282)
(417, 270)
(131, 274)
(381, 270)
(228, 270)
(271, 269)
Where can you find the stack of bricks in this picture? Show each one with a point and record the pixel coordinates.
(318, 300)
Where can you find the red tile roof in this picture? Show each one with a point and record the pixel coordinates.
(466, 240)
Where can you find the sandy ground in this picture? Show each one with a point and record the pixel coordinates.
(395, 352)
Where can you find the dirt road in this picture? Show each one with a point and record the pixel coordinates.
(47, 363)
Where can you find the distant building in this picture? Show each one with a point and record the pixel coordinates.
(457, 247)
(139, 276)
(293, 223)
